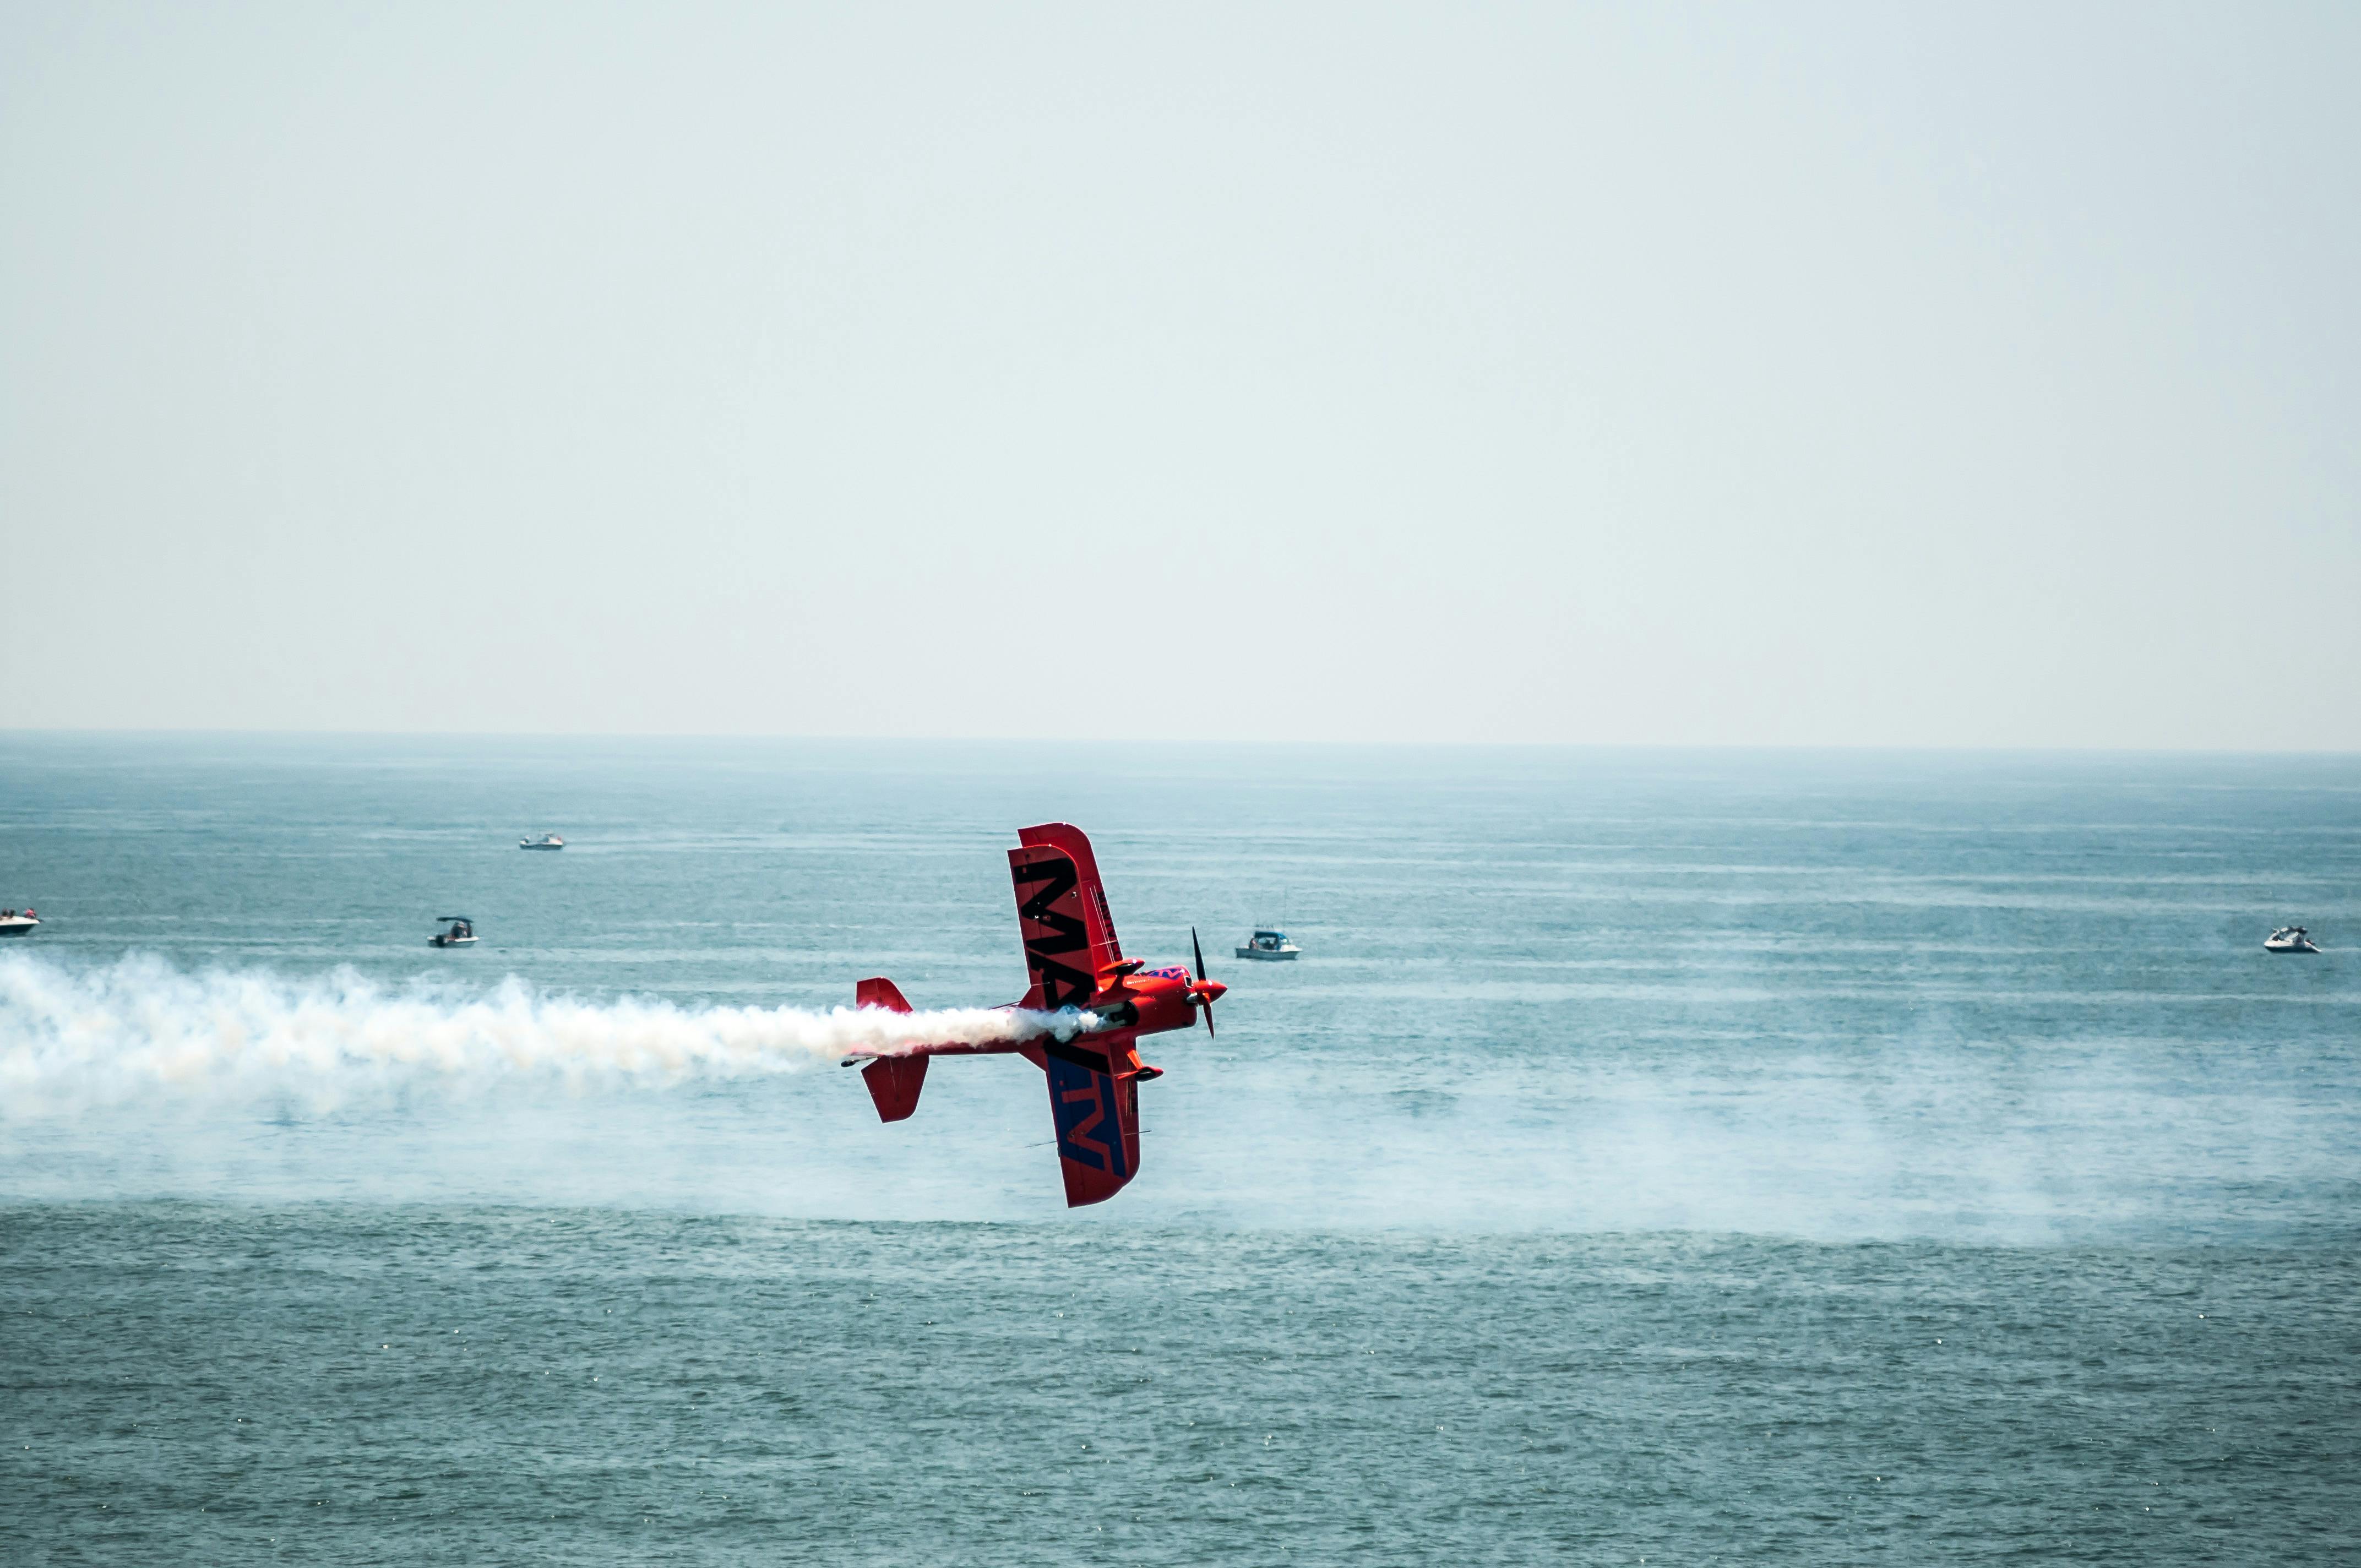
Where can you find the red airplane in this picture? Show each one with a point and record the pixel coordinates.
(1071, 949)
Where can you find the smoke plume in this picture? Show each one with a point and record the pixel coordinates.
(139, 1027)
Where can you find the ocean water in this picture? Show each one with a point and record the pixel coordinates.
(1695, 1157)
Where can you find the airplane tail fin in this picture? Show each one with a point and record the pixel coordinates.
(893, 1082)
(879, 991)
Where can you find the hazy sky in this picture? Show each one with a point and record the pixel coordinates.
(1788, 375)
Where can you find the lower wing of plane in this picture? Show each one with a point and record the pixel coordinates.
(1094, 1105)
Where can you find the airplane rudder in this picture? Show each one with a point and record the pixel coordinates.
(879, 991)
(893, 1084)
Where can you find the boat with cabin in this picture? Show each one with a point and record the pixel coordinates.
(547, 842)
(1270, 944)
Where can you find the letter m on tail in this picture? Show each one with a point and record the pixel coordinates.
(1050, 922)
(1062, 916)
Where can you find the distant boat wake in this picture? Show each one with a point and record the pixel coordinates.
(140, 1027)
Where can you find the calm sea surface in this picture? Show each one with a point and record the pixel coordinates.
(1702, 1157)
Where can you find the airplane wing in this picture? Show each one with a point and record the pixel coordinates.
(1094, 1102)
(1068, 935)
(1062, 916)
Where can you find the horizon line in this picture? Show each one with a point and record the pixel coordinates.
(1328, 743)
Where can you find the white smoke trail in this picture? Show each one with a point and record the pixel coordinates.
(140, 1027)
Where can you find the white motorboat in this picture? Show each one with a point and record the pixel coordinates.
(458, 931)
(547, 842)
(1270, 944)
(17, 922)
(2288, 939)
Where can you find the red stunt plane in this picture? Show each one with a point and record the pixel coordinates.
(1071, 949)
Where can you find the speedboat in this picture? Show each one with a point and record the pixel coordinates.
(547, 842)
(1270, 944)
(2288, 939)
(458, 931)
(17, 922)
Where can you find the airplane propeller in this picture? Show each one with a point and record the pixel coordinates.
(1206, 987)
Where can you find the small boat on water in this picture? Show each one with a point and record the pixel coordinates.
(2288, 939)
(17, 922)
(458, 931)
(1270, 944)
(547, 842)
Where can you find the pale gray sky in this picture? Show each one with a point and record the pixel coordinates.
(1769, 375)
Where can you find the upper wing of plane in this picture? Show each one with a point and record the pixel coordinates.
(1062, 916)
